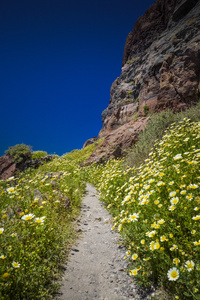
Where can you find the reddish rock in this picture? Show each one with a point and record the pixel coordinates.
(161, 63)
(117, 142)
(148, 27)
(7, 167)
(161, 70)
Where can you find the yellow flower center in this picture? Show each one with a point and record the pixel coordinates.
(174, 201)
(28, 218)
(174, 274)
(15, 265)
(134, 272)
(157, 246)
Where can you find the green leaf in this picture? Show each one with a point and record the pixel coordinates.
(186, 294)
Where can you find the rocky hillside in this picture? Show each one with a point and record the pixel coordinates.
(160, 70)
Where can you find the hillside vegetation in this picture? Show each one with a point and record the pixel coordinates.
(155, 205)
(37, 211)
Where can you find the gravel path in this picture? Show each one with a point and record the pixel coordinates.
(96, 268)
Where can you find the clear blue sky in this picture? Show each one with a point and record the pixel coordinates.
(58, 60)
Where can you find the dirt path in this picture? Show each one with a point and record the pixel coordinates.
(96, 268)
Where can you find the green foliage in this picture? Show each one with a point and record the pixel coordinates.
(146, 109)
(156, 210)
(37, 226)
(155, 130)
(130, 61)
(80, 155)
(135, 117)
(19, 152)
(38, 154)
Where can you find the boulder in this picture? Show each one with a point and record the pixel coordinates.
(7, 167)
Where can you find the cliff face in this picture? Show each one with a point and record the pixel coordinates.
(161, 63)
(160, 70)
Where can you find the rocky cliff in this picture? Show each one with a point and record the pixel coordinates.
(160, 70)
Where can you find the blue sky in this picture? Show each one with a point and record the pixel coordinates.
(58, 61)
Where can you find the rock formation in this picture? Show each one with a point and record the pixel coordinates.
(35, 163)
(8, 168)
(90, 141)
(160, 70)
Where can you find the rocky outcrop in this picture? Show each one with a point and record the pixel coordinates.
(148, 28)
(161, 64)
(8, 168)
(160, 70)
(90, 141)
(35, 163)
(116, 143)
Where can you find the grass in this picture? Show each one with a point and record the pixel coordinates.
(155, 130)
(37, 211)
(156, 210)
(153, 195)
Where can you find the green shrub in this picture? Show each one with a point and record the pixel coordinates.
(19, 153)
(38, 154)
(146, 109)
(155, 129)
